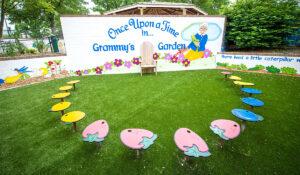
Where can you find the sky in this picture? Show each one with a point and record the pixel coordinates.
(90, 6)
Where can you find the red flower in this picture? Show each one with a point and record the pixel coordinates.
(50, 63)
(118, 62)
(174, 59)
(186, 62)
(155, 56)
(180, 51)
(98, 70)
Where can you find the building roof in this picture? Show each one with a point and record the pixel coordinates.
(158, 8)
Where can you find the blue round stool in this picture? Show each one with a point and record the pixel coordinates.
(246, 115)
(1, 81)
(252, 102)
(251, 91)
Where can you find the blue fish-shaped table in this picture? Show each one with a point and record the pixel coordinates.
(252, 102)
(246, 115)
(251, 91)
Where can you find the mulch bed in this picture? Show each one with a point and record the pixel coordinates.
(32, 80)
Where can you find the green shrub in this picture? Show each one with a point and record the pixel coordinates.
(288, 70)
(260, 24)
(222, 64)
(243, 67)
(273, 69)
(257, 67)
(40, 45)
(31, 50)
(234, 66)
(10, 49)
(20, 48)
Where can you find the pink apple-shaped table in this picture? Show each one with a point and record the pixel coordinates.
(190, 143)
(137, 139)
(226, 129)
(225, 73)
(96, 131)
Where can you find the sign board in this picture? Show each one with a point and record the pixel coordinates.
(113, 43)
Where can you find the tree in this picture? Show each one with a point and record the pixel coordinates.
(6, 7)
(253, 24)
(34, 16)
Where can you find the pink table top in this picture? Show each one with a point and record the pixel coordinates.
(133, 137)
(226, 129)
(99, 127)
(185, 137)
(226, 73)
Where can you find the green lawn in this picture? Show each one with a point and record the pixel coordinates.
(34, 141)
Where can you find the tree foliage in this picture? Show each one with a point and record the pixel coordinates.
(210, 6)
(260, 24)
(36, 17)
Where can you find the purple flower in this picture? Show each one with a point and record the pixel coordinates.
(207, 53)
(168, 57)
(107, 66)
(136, 61)
(128, 64)
(86, 72)
(118, 62)
(186, 62)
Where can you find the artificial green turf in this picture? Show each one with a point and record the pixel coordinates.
(34, 141)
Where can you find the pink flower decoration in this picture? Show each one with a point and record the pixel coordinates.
(186, 62)
(118, 62)
(107, 66)
(168, 57)
(127, 64)
(206, 53)
(180, 57)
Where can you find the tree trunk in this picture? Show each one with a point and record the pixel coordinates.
(2, 18)
(52, 24)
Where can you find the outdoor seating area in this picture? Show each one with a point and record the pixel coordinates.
(149, 87)
(211, 133)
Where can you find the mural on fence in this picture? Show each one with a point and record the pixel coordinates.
(30, 69)
(93, 42)
(264, 64)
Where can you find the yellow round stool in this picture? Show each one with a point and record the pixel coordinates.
(61, 96)
(241, 83)
(73, 83)
(236, 78)
(60, 107)
(73, 117)
(65, 88)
